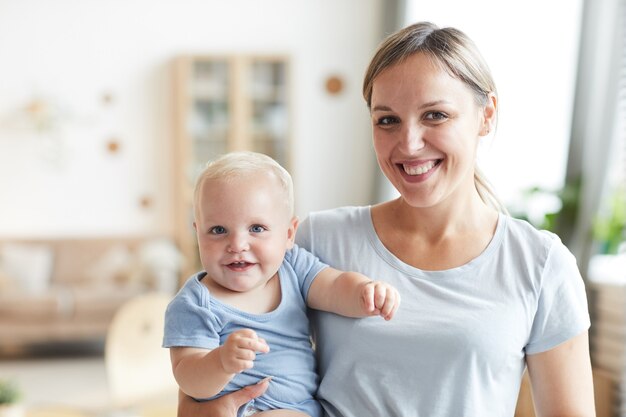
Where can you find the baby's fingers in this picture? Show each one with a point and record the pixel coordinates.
(240, 349)
(248, 339)
(367, 298)
(387, 300)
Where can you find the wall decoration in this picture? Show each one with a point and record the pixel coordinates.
(113, 146)
(146, 202)
(334, 85)
(107, 98)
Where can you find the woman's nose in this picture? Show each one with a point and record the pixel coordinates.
(412, 139)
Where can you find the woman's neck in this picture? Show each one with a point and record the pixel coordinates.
(443, 220)
(438, 237)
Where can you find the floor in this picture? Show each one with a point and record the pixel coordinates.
(71, 378)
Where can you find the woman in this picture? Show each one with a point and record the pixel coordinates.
(484, 295)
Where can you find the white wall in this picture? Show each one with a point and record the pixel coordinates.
(62, 182)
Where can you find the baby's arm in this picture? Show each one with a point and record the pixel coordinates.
(352, 294)
(203, 373)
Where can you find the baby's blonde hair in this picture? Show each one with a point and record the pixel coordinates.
(240, 164)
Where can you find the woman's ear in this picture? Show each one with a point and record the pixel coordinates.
(291, 232)
(490, 114)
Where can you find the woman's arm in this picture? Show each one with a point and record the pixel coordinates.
(561, 380)
(352, 294)
(224, 406)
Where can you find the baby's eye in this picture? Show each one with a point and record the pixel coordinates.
(435, 115)
(257, 228)
(386, 121)
(217, 230)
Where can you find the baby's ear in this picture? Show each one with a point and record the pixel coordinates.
(291, 232)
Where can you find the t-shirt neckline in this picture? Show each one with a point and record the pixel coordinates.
(365, 218)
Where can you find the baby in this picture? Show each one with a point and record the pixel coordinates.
(244, 318)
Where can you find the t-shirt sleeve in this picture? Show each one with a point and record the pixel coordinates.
(306, 267)
(189, 321)
(562, 310)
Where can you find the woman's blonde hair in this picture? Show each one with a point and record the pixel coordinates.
(455, 53)
(244, 163)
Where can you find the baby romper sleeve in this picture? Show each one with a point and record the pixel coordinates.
(188, 319)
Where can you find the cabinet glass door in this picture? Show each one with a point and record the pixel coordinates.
(268, 126)
(210, 114)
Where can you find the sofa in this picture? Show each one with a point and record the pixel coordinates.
(68, 290)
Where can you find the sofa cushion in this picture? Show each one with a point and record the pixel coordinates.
(64, 303)
(26, 267)
(80, 260)
(44, 307)
(102, 304)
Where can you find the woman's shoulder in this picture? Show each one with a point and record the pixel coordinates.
(523, 235)
(524, 229)
(339, 215)
(332, 228)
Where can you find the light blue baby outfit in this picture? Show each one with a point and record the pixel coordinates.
(195, 319)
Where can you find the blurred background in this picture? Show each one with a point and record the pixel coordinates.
(109, 109)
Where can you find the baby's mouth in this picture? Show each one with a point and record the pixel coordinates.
(420, 169)
(239, 265)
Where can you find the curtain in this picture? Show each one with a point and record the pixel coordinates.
(600, 98)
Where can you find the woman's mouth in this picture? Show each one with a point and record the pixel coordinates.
(420, 169)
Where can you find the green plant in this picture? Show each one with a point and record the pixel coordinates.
(610, 229)
(9, 392)
(561, 217)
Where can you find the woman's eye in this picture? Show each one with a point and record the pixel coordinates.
(217, 230)
(435, 115)
(386, 121)
(257, 228)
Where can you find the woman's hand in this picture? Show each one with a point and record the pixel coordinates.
(225, 406)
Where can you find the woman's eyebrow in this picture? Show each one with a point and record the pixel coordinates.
(423, 106)
(381, 108)
(433, 103)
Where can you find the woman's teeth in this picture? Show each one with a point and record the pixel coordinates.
(418, 169)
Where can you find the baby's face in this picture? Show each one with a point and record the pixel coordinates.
(244, 228)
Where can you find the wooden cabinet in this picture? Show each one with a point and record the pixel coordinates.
(223, 104)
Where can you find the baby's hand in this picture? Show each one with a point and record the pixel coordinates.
(239, 350)
(380, 299)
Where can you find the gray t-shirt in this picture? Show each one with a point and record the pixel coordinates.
(195, 319)
(457, 344)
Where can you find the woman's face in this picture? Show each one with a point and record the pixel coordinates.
(426, 127)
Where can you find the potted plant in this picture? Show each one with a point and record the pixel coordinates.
(10, 399)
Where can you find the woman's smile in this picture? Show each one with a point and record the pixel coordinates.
(416, 172)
